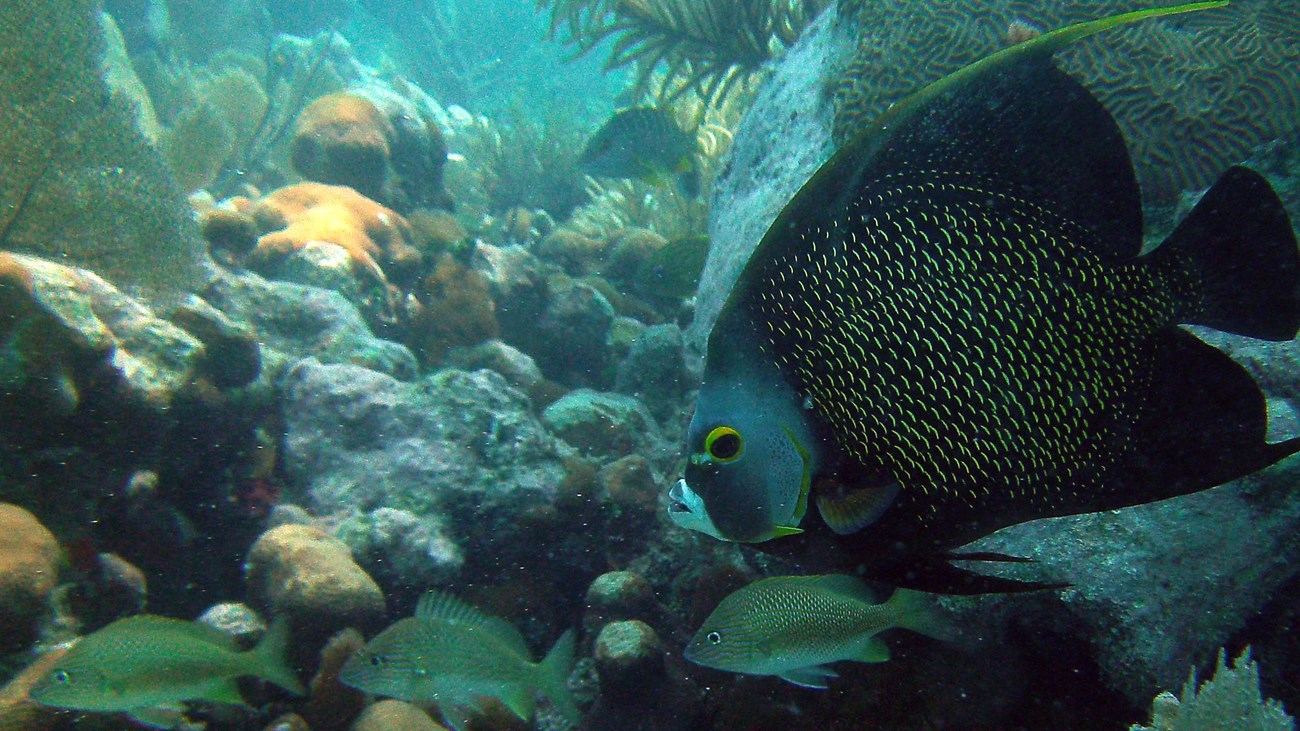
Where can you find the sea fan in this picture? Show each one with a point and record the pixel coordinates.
(706, 45)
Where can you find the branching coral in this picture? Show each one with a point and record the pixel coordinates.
(1229, 700)
(1192, 94)
(706, 45)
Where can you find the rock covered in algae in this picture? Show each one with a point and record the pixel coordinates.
(29, 571)
(68, 332)
(295, 322)
(391, 715)
(423, 476)
(307, 574)
(608, 425)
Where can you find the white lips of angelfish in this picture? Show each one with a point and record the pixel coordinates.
(687, 510)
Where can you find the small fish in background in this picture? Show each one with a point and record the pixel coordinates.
(794, 627)
(452, 654)
(148, 667)
(644, 143)
(673, 271)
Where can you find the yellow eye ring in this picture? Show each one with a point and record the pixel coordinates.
(724, 444)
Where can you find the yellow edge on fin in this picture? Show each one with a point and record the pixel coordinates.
(805, 485)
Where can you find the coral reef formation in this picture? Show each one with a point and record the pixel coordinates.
(29, 571)
(305, 573)
(375, 237)
(1221, 80)
(375, 141)
(1229, 699)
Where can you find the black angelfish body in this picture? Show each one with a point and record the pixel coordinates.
(950, 329)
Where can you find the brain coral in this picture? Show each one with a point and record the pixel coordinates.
(1192, 94)
(382, 140)
(342, 139)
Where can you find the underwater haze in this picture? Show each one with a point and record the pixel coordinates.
(649, 365)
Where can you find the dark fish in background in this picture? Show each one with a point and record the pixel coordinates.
(950, 329)
(643, 143)
(673, 271)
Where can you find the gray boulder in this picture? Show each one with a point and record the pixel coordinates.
(424, 478)
(603, 425)
(1157, 588)
(294, 321)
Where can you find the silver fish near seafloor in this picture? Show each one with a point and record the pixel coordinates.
(951, 328)
(794, 627)
(452, 654)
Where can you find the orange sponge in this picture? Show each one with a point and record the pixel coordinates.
(376, 237)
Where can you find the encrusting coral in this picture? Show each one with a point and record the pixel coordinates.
(375, 237)
(453, 307)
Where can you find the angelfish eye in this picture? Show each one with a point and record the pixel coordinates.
(713, 638)
(724, 444)
(61, 677)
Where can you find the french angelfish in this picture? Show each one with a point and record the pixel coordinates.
(453, 654)
(149, 666)
(794, 627)
(950, 329)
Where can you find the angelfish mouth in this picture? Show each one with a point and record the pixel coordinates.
(677, 496)
(686, 509)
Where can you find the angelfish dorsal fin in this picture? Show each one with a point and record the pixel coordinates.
(1013, 121)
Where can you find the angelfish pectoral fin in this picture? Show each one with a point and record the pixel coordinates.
(855, 508)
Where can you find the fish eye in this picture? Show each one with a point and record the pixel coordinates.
(376, 661)
(62, 677)
(713, 638)
(724, 444)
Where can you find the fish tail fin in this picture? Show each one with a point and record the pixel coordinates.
(1239, 251)
(918, 612)
(553, 677)
(270, 658)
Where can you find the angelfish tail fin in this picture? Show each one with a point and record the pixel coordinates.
(1239, 251)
